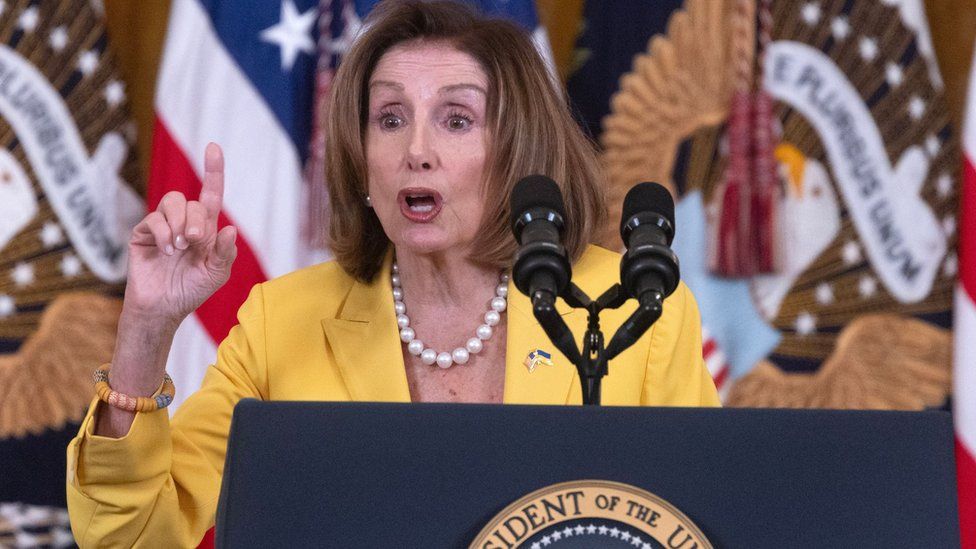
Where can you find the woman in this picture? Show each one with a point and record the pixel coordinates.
(435, 115)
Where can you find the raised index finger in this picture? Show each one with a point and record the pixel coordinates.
(212, 193)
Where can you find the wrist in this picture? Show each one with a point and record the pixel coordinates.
(141, 349)
(143, 321)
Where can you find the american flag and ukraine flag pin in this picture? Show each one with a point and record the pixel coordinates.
(537, 357)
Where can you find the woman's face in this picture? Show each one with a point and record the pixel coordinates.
(426, 145)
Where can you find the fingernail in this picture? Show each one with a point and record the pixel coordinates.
(168, 249)
(193, 232)
(180, 242)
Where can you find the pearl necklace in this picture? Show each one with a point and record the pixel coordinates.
(461, 354)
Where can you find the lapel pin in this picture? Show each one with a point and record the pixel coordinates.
(536, 358)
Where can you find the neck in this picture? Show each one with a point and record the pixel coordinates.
(445, 280)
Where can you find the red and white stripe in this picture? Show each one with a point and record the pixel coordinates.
(964, 373)
(715, 362)
(200, 97)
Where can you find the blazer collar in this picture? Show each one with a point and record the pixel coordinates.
(366, 343)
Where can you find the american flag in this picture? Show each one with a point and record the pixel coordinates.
(241, 77)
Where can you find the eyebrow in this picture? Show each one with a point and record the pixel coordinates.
(446, 89)
(386, 84)
(456, 87)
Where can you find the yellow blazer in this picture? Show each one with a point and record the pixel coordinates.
(318, 334)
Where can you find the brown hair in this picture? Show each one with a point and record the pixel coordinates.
(530, 132)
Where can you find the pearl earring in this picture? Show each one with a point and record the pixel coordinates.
(369, 202)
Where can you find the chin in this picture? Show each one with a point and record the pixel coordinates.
(425, 240)
(423, 244)
(428, 245)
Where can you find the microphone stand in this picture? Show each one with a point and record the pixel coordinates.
(592, 363)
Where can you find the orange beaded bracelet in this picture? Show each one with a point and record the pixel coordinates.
(130, 403)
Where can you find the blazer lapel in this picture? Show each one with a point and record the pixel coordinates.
(545, 384)
(366, 343)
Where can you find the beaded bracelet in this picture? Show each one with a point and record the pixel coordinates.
(130, 403)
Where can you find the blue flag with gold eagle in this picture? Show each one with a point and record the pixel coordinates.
(857, 311)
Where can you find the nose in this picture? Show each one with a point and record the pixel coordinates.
(420, 152)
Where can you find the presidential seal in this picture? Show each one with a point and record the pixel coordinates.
(590, 513)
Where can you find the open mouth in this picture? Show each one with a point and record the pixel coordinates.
(419, 204)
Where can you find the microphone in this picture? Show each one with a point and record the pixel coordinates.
(542, 269)
(649, 269)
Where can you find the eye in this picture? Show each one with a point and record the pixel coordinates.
(390, 121)
(458, 122)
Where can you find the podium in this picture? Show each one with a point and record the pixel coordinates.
(434, 475)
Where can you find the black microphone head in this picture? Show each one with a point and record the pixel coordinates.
(648, 198)
(535, 191)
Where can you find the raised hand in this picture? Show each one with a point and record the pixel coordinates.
(177, 257)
